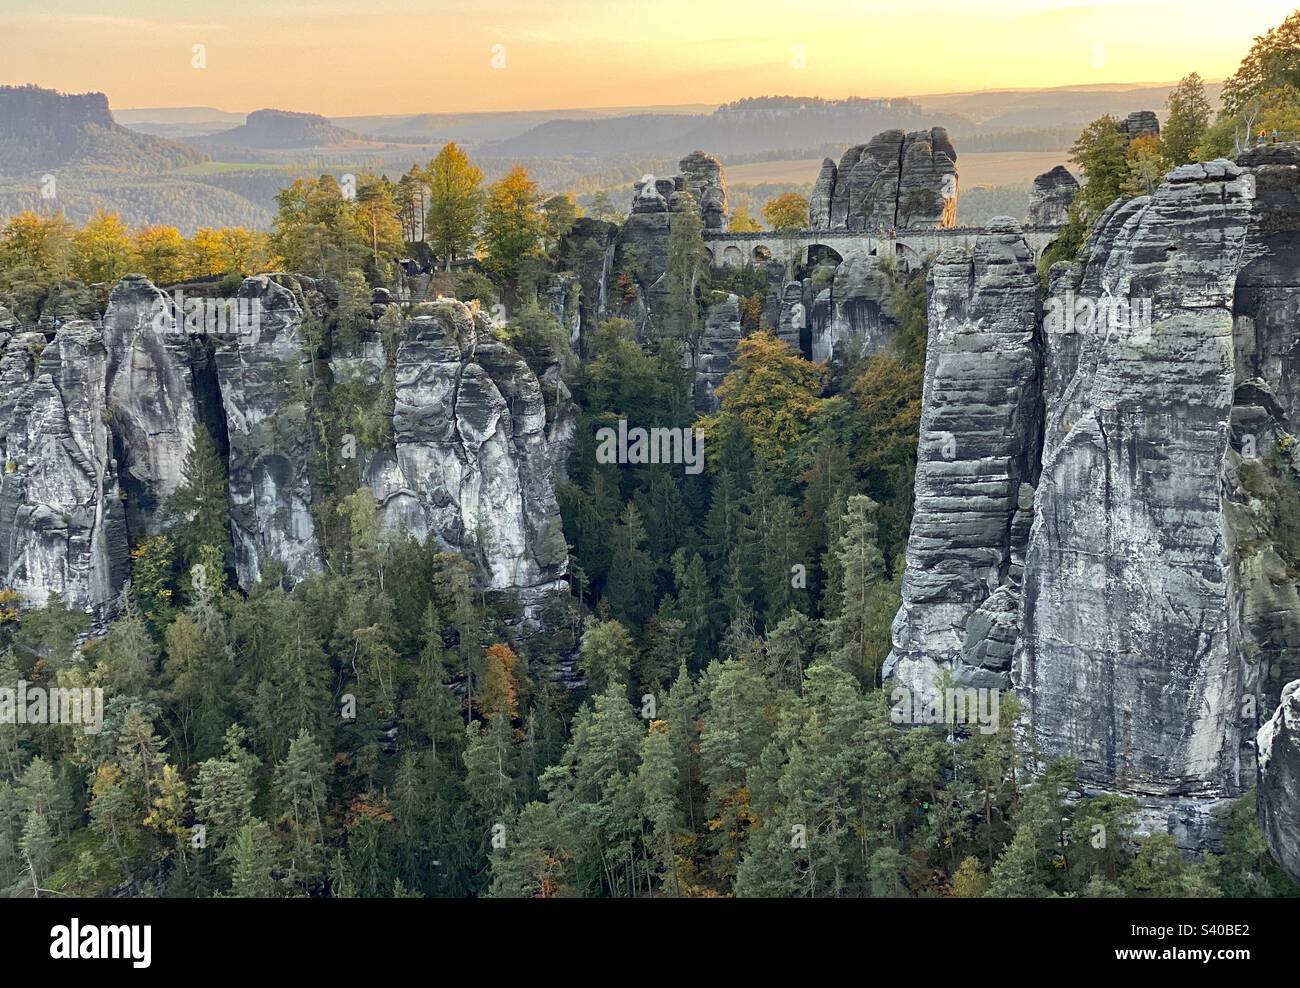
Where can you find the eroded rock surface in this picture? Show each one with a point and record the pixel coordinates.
(266, 382)
(897, 179)
(1050, 197)
(704, 180)
(1279, 781)
(62, 523)
(1157, 605)
(472, 463)
(718, 348)
(979, 445)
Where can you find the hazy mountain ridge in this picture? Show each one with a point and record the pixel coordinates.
(282, 129)
(42, 130)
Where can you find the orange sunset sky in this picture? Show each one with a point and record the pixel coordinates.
(341, 57)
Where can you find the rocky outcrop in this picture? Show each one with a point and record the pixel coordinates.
(588, 250)
(642, 243)
(979, 446)
(1136, 677)
(472, 465)
(1266, 306)
(95, 427)
(1138, 123)
(819, 203)
(1050, 197)
(896, 179)
(151, 395)
(1151, 608)
(62, 523)
(703, 176)
(266, 382)
(1278, 744)
(642, 252)
(716, 354)
(860, 306)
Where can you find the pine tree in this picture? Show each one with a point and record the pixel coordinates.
(606, 655)
(253, 860)
(198, 510)
(630, 588)
(130, 653)
(659, 786)
(1186, 121)
(686, 271)
(301, 781)
(859, 631)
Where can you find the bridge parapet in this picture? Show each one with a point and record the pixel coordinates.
(730, 249)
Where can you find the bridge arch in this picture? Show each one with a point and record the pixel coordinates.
(732, 256)
(819, 253)
(761, 253)
(907, 255)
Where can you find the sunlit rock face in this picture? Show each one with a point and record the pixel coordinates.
(897, 179)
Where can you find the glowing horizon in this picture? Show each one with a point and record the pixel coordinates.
(342, 58)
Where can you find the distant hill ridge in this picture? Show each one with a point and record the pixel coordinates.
(42, 130)
(273, 129)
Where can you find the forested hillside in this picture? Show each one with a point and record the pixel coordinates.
(325, 673)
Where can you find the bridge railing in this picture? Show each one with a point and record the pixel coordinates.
(901, 233)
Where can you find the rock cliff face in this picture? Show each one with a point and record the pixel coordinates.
(704, 181)
(1279, 781)
(266, 384)
(1107, 531)
(1125, 655)
(1050, 197)
(96, 423)
(153, 393)
(472, 464)
(716, 355)
(96, 428)
(62, 523)
(896, 179)
(977, 462)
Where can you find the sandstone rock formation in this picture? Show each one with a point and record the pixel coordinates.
(472, 464)
(819, 203)
(716, 355)
(1279, 781)
(980, 427)
(62, 522)
(96, 424)
(1050, 197)
(703, 176)
(1141, 580)
(152, 396)
(1139, 122)
(1135, 676)
(266, 380)
(895, 180)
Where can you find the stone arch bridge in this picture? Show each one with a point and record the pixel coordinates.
(910, 246)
